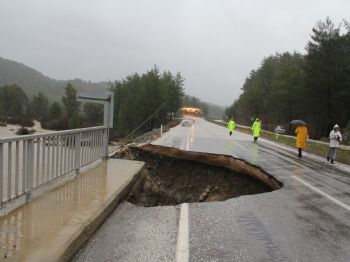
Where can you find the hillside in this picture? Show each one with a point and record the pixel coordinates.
(32, 81)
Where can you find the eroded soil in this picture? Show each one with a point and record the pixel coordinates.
(168, 180)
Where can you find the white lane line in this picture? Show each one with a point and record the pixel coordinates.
(182, 246)
(338, 202)
(188, 140)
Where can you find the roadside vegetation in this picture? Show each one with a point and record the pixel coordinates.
(17, 108)
(314, 87)
(312, 146)
(140, 96)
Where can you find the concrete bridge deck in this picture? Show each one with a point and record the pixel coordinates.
(52, 226)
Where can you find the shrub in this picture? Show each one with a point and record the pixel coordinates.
(25, 131)
(22, 131)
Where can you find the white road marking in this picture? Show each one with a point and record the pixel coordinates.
(188, 140)
(338, 202)
(182, 246)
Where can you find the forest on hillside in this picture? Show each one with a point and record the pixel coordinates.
(137, 97)
(17, 108)
(30, 95)
(314, 87)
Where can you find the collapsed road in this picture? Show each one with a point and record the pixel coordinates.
(172, 176)
(305, 220)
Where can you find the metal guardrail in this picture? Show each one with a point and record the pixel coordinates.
(28, 162)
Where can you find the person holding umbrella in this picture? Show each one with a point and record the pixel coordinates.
(302, 135)
(231, 126)
(334, 139)
(256, 128)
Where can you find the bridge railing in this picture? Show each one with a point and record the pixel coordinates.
(28, 162)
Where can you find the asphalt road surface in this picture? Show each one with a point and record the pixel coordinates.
(307, 220)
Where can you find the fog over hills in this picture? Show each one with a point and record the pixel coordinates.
(32, 81)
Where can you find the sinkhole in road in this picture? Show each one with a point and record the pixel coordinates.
(173, 176)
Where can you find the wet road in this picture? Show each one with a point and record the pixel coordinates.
(307, 220)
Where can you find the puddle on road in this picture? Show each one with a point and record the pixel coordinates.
(31, 231)
(38, 230)
(173, 176)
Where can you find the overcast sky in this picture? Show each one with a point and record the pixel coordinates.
(213, 43)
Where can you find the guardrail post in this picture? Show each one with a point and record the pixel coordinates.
(29, 168)
(1, 174)
(105, 142)
(77, 149)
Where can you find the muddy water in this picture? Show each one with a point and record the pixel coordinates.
(38, 230)
(10, 130)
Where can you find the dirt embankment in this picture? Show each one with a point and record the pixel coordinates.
(172, 176)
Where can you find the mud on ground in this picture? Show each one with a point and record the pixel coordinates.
(168, 180)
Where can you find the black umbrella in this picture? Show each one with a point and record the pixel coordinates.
(298, 122)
